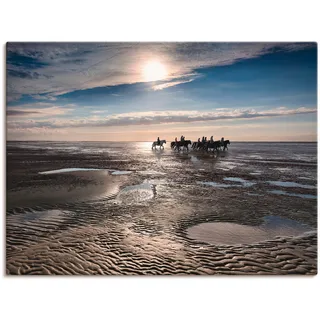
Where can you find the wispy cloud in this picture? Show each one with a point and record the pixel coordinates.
(170, 84)
(158, 117)
(99, 111)
(38, 112)
(56, 68)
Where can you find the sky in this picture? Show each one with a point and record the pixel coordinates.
(139, 91)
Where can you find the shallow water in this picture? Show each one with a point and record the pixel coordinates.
(243, 182)
(299, 195)
(226, 233)
(219, 185)
(69, 170)
(289, 184)
(117, 173)
(136, 194)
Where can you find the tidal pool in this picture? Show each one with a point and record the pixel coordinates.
(227, 233)
(136, 194)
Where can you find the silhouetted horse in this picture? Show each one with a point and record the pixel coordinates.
(213, 145)
(225, 144)
(155, 144)
(197, 145)
(183, 144)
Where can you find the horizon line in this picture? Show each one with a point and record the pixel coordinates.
(252, 141)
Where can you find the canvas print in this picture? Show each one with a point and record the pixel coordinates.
(161, 158)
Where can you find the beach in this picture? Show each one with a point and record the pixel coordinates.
(106, 208)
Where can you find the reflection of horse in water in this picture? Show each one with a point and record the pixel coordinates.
(155, 144)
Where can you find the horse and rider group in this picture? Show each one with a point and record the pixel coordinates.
(201, 144)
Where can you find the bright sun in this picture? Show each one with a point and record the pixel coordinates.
(154, 71)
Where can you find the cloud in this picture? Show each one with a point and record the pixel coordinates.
(27, 75)
(160, 117)
(38, 112)
(54, 68)
(170, 84)
(99, 111)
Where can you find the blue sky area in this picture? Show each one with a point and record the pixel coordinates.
(124, 91)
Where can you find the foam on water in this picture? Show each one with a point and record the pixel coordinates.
(226, 233)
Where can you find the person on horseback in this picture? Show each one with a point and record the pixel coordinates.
(158, 141)
(182, 138)
(176, 140)
(211, 139)
(222, 140)
(202, 139)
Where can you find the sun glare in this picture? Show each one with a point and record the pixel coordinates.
(154, 71)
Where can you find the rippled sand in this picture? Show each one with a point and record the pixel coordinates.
(96, 222)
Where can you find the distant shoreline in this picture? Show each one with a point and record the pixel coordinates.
(234, 141)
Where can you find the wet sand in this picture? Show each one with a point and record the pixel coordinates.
(138, 221)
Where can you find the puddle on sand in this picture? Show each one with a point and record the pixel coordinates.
(155, 181)
(118, 173)
(283, 169)
(291, 184)
(307, 178)
(136, 194)
(69, 170)
(151, 172)
(299, 195)
(218, 185)
(227, 233)
(45, 215)
(254, 194)
(244, 183)
(113, 172)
